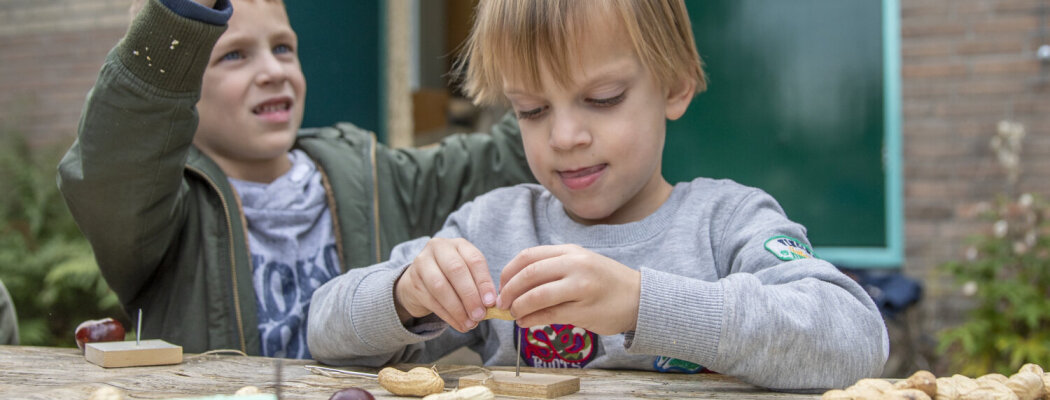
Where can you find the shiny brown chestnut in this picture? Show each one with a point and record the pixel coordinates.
(99, 330)
(352, 394)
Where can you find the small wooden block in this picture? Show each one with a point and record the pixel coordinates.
(130, 354)
(543, 386)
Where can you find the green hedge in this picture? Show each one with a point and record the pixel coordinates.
(45, 262)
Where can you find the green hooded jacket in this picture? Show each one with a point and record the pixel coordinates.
(165, 224)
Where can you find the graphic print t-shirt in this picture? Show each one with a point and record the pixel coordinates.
(293, 252)
(569, 346)
(557, 346)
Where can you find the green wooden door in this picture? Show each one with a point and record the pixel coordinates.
(802, 103)
(340, 48)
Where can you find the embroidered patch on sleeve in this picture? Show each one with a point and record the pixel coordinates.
(788, 248)
(668, 364)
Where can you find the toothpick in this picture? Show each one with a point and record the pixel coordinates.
(517, 367)
(277, 386)
(329, 371)
(138, 329)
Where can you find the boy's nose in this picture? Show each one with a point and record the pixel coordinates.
(568, 131)
(271, 70)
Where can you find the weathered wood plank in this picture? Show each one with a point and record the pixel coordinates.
(52, 373)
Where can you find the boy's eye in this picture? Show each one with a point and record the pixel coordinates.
(532, 114)
(608, 101)
(282, 48)
(233, 55)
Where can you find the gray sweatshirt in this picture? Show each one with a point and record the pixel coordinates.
(727, 283)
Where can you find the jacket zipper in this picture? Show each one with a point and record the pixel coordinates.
(233, 255)
(375, 199)
(334, 212)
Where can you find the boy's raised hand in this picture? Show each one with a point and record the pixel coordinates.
(567, 284)
(449, 278)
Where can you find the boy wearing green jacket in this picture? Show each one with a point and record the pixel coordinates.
(209, 209)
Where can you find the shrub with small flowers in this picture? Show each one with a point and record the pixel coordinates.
(1007, 272)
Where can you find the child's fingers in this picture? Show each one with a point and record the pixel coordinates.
(479, 270)
(459, 274)
(530, 278)
(547, 303)
(420, 296)
(525, 258)
(434, 306)
(441, 291)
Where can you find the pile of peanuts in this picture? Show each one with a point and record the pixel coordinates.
(1029, 383)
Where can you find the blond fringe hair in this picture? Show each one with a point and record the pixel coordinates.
(511, 37)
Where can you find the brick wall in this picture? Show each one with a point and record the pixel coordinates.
(50, 53)
(966, 65)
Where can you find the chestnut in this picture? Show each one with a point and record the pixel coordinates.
(99, 330)
(352, 394)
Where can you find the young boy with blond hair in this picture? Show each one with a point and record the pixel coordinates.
(212, 212)
(606, 265)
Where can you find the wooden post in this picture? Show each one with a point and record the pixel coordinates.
(398, 90)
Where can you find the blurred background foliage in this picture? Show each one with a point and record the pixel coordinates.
(45, 263)
(1006, 272)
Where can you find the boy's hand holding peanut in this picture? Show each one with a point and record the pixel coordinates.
(564, 284)
(567, 284)
(449, 278)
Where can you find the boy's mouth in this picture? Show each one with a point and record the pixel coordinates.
(274, 110)
(582, 177)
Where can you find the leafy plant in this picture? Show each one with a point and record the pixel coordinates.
(45, 263)
(1007, 272)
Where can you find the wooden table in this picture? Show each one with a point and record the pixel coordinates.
(62, 373)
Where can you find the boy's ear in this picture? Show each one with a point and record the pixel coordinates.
(678, 98)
